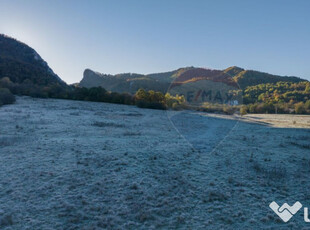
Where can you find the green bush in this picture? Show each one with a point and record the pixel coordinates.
(150, 99)
(6, 97)
(243, 110)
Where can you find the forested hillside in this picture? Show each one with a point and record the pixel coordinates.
(23, 64)
(131, 82)
(24, 72)
(280, 97)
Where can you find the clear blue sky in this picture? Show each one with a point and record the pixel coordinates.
(146, 36)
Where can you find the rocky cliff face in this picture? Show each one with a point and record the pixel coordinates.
(126, 82)
(91, 79)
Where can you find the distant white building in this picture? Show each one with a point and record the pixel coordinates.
(234, 102)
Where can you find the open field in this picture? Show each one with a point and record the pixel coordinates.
(280, 120)
(272, 120)
(83, 165)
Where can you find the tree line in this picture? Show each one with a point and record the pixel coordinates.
(144, 99)
(280, 97)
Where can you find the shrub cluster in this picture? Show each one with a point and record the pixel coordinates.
(6, 97)
(281, 108)
(157, 100)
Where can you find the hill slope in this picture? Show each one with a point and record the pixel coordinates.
(22, 64)
(247, 78)
(161, 81)
(130, 82)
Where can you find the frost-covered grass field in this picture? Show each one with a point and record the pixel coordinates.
(82, 165)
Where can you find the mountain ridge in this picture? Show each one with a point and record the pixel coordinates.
(131, 82)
